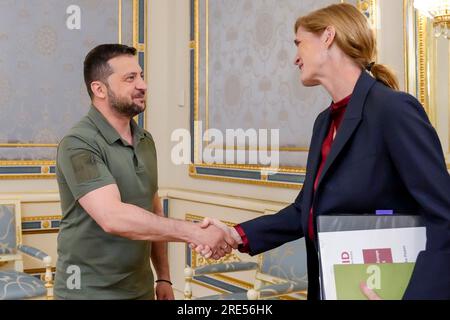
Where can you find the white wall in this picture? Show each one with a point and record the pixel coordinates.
(390, 37)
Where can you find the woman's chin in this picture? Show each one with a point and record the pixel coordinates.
(308, 82)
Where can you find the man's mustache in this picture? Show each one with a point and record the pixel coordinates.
(139, 95)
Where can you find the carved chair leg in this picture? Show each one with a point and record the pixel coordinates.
(48, 278)
(18, 265)
(188, 274)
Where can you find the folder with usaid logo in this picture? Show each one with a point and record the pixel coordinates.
(379, 250)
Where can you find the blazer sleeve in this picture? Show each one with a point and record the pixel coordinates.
(416, 152)
(270, 231)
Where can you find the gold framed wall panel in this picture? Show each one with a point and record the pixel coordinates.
(287, 176)
(140, 34)
(44, 168)
(420, 54)
(195, 44)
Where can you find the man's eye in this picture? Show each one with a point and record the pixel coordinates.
(130, 78)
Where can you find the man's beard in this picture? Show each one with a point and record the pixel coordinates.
(124, 107)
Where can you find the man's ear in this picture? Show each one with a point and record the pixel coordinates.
(99, 89)
(328, 35)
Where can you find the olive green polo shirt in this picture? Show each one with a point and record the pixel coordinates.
(93, 155)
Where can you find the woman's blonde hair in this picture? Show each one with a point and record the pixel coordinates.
(353, 36)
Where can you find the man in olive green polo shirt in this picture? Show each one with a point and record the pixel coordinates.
(113, 224)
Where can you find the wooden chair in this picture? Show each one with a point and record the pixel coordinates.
(14, 283)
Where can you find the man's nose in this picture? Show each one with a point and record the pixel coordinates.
(297, 60)
(141, 85)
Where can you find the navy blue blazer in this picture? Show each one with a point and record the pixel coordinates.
(386, 155)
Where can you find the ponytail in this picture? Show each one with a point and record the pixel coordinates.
(385, 75)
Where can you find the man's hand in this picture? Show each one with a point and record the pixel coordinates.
(368, 292)
(216, 239)
(164, 291)
(206, 250)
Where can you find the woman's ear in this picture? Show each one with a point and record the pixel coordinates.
(328, 35)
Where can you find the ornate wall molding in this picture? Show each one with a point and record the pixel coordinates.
(421, 68)
(40, 224)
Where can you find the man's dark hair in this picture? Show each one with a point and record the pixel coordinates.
(96, 66)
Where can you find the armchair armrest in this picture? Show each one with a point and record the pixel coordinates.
(211, 269)
(36, 253)
(225, 267)
(47, 260)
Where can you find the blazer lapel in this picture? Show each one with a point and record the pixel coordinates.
(314, 156)
(352, 118)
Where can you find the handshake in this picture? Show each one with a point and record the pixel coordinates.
(214, 239)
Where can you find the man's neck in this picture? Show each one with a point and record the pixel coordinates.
(119, 122)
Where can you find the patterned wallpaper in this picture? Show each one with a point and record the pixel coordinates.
(252, 81)
(42, 92)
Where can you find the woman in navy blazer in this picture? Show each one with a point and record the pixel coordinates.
(382, 153)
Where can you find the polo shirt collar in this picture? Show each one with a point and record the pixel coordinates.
(107, 130)
(138, 132)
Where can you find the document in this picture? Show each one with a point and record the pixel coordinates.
(387, 280)
(384, 258)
